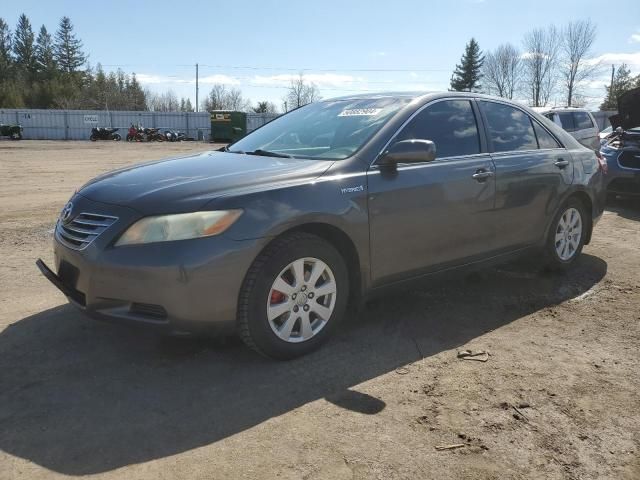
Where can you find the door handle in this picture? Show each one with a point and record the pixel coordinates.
(481, 175)
(560, 163)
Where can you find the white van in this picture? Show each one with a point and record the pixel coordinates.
(577, 121)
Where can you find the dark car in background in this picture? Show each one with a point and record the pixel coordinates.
(621, 148)
(323, 206)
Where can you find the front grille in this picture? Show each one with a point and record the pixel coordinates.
(83, 229)
(629, 159)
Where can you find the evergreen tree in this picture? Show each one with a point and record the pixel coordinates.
(189, 108)
(467, 75)
(622, 81)
(135, 95)
(68, 49)
(5, 50)
(45, 62)
(23, 45)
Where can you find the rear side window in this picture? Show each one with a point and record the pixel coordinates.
(567, 120)
(450, 124)
(509, 128)
(582, 120)
(545, 139)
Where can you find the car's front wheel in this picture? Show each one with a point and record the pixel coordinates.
(293, 296)
(567, 234)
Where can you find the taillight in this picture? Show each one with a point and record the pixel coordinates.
(602, 162)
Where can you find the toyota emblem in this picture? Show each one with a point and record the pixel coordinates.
(65, 214)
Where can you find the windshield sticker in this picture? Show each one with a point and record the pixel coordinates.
(360, 112)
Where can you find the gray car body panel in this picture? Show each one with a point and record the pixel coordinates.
(420, 219)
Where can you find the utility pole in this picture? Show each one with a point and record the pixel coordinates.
(197, 87)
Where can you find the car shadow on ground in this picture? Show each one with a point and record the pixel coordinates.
(82, 397)
(626, 207)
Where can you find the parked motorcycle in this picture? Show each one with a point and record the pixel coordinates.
(135, 134)
(154, 135)
(12, 131)
(103, 133)
(174, 136)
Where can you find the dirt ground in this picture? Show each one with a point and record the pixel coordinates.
(558, 397)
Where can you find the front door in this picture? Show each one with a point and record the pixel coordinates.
(427, 216)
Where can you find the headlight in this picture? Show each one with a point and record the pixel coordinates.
(165, 228)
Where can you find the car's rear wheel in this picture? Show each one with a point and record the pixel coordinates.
(293, 296)
(567, 234)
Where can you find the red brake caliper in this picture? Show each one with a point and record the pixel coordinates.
(277, 297)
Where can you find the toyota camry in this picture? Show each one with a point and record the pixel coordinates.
(275, 235)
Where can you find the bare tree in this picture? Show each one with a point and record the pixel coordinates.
(235, 101)
(265, 107)
(162, 102)
(220, 98)
(540, 62)
(216, 98)
(301, 93)
(577, 40)
(502, 70)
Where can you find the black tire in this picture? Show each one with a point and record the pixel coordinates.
(554, 261)
(253, 324)
(93, 138)
(116, 137)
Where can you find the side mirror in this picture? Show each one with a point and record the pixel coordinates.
(408, 151)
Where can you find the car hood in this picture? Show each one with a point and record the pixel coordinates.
(188, 183)
(628, 110)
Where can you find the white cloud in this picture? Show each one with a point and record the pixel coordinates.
(320, 79)
(211, 79)
(616, 58)
(378, 54)
(635, 37)
(150, 79)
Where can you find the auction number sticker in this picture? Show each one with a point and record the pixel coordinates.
(360, 112)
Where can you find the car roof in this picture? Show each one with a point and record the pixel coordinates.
(557, 109)
(413, 95)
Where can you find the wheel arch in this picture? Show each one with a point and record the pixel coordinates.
(584, 198)
(342, 242)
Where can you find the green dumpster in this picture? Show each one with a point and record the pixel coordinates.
(228, 126)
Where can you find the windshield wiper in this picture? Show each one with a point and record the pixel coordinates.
(267, 153)
(226, 149)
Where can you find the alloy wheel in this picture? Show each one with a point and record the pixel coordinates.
(301, 300)
(568, 234)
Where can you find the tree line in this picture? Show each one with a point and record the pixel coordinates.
(553, 66)
(52, 71)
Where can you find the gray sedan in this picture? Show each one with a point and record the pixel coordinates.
(333, 202)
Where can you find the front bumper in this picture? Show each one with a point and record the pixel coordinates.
(621, 180)
(182, 286)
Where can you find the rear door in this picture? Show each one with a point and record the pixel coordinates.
(586, 131)
(424, 216)
(532, 172)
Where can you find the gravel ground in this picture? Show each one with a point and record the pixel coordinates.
(557, 398)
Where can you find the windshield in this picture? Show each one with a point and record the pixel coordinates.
(331, 130)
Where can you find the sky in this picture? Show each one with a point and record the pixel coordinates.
(342, 46)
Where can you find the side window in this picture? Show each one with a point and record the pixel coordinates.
(545, 140)
(450, 124)
(582, 120)
(567, 121)
(509, 128)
